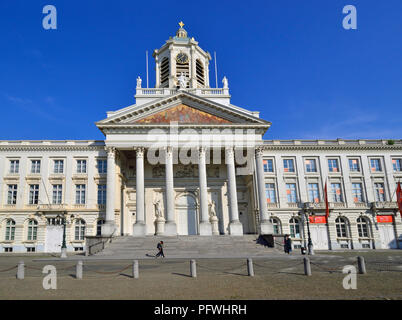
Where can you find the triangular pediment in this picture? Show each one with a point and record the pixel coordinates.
(184, 108)
(183, 114)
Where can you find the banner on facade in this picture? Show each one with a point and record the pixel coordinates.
(385, 219)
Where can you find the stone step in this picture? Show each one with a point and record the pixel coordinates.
(184, 246)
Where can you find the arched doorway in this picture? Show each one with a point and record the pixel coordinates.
(187, 220)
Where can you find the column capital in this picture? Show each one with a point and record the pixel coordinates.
(139, 152)
(259, 152)
(229, 151)
(201, 152)
(168, 150)
(111, 152)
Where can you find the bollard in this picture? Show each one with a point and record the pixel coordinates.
(78, 270)
(250, 269)
(362, 265)
(307, 267)
(193, 269)
(21, 270)
(135, 269)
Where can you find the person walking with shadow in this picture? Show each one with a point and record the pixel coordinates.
(288, 244)
(160, 248)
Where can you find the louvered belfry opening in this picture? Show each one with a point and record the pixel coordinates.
(165, 73)
(200, 73)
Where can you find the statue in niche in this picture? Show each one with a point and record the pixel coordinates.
(212, 211)
(158, 211)
(213, 218)
(182, 81)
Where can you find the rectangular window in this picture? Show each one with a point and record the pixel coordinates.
(35, 166)
(80, 194)
(333, 165)
(313, 193)
(354, 165)
(81, 166)
(268, 165)
(102, 166)
(310, 165)
(12, 194)
(336, 192)
(33, 193)
(31, 249)
(58, 166)
(8, 249)
(379, 192)
(102, 194)
(357, 192)
(270, 192)
(14, 166)
(57, 193)
(288, 165)
(375, 165)
(291, 192)
(397, 164)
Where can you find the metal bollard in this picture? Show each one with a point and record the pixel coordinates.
(135, 269)
(21, 270)
(307, 267)
(78, 270)
(250, 268)
(193, 268)
(362, 265)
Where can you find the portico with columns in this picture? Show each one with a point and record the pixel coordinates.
(182, 162)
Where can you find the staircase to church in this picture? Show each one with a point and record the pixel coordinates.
(127, 247)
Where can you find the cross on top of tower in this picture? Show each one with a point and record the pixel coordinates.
(181, 24)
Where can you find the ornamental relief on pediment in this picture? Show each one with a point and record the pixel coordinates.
(186, 171)
(183, 114)
(158, 171)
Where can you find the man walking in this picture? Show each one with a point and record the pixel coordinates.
(287, 244)
(160, 248)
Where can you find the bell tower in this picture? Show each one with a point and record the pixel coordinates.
(181, 63)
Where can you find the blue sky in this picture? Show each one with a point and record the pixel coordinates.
(291, 60)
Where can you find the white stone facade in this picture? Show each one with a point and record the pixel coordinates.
(199, 184)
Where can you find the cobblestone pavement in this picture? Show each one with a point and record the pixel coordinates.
(275, 278)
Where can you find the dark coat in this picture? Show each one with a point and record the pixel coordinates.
(288, 244)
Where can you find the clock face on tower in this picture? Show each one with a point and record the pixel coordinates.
(182, 58)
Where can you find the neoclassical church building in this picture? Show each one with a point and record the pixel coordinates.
(183, 160)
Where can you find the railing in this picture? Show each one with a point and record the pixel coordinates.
(168, 91)
(49, 207)
(384, 205)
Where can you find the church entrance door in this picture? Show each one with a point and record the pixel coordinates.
(186, 209)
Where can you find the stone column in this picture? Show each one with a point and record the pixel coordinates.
(139, 228)
(235, 226)
(109, 226)
(205, 225)
(265, 225)
(170, 225)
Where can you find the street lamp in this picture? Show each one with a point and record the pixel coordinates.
(307, 208)
(61, 219)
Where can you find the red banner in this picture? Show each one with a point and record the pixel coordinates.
(385, 219)
(399, 197)
(318, 219)
(326, 201)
